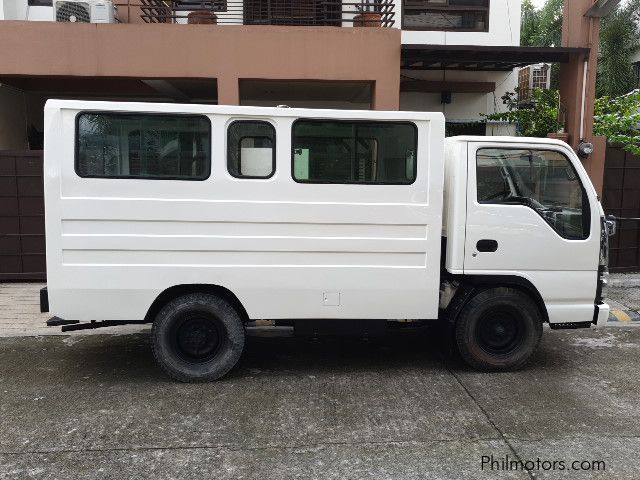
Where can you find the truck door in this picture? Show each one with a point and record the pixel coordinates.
(533, 213)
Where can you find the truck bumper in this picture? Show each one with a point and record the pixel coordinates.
(602, 315)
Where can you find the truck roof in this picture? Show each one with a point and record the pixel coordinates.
(504, 139)
(207, 109)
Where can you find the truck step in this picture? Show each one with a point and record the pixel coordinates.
(58, 322)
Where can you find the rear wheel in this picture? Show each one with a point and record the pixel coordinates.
(197, 337)
(499, 329)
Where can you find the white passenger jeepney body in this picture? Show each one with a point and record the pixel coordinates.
(309, 214)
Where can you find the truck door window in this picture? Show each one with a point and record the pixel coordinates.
(251, 149)
(362, 152)
(543, 180)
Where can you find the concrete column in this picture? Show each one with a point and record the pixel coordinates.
(228, 90)
(580, 31)
(386, 94)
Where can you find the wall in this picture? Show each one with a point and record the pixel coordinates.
(504, 28)
(464, 107)
(20, 10)
(13, 119)
(227, 53)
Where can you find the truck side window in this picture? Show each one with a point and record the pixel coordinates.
(543, 180)
(361, 152)
(251, 149)
(143, 146)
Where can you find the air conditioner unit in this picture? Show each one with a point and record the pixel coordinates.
(85, 11)
(533, 77)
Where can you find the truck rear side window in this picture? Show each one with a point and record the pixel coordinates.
(543, 180)
(143, 146)
(361, 152)
(251, 149)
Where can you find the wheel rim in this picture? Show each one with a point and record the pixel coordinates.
(499, 331)
(197, 337)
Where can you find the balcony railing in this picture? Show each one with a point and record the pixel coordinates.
(359, 13)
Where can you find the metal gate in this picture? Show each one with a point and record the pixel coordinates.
(621, 197)
(22, 243)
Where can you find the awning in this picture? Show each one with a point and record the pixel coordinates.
(481, 57)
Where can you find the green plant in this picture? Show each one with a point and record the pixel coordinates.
(619, 39)
(618, 119)
(536, 118)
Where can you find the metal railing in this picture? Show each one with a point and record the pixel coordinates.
(361, 13)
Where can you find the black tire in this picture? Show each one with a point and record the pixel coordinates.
(498, 329)
(197, 337)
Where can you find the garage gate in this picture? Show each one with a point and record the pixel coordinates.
(621, 197)
(22, 244)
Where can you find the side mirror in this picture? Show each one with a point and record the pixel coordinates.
(610, 225)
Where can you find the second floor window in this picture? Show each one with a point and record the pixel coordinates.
(456, 15)
(288, 12)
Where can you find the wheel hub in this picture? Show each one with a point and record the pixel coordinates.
(197, 339)
(498, 332)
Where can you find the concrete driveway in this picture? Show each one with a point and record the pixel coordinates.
(96, 406)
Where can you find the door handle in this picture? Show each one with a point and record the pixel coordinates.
(486, 245)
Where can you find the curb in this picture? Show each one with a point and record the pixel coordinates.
(624, 316)
(624, 280)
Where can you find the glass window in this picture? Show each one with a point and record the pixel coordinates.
(251, 149)
(145, 146)
(462, 15)
(542, 180)
(330, 151)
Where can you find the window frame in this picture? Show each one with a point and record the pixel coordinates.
(76, 162)
(273, 153)
(586, 215)
(445, 8)
(341, 120)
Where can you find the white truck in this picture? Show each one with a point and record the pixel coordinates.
(201, 219)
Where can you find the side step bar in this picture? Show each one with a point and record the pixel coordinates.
(58, 322)
(569, 325)
(73, 325)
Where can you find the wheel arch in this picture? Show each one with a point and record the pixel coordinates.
(176, 291)
(471, 284)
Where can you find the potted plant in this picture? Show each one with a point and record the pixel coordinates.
(202, 17)
(369, 14)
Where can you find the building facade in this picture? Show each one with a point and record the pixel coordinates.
(308, 53)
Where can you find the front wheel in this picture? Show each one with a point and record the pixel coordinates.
(197, 337)
(498, 329)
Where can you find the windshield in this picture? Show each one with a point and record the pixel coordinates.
(543, 180)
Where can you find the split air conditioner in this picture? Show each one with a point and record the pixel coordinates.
(85, 11)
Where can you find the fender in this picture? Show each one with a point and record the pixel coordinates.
(470, 284)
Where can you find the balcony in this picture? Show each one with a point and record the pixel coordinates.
(357, 13)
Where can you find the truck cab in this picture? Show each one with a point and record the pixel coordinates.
(527, 210)
(201, 220)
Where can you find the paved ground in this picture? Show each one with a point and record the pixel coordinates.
(96, 406)
(624, 297)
